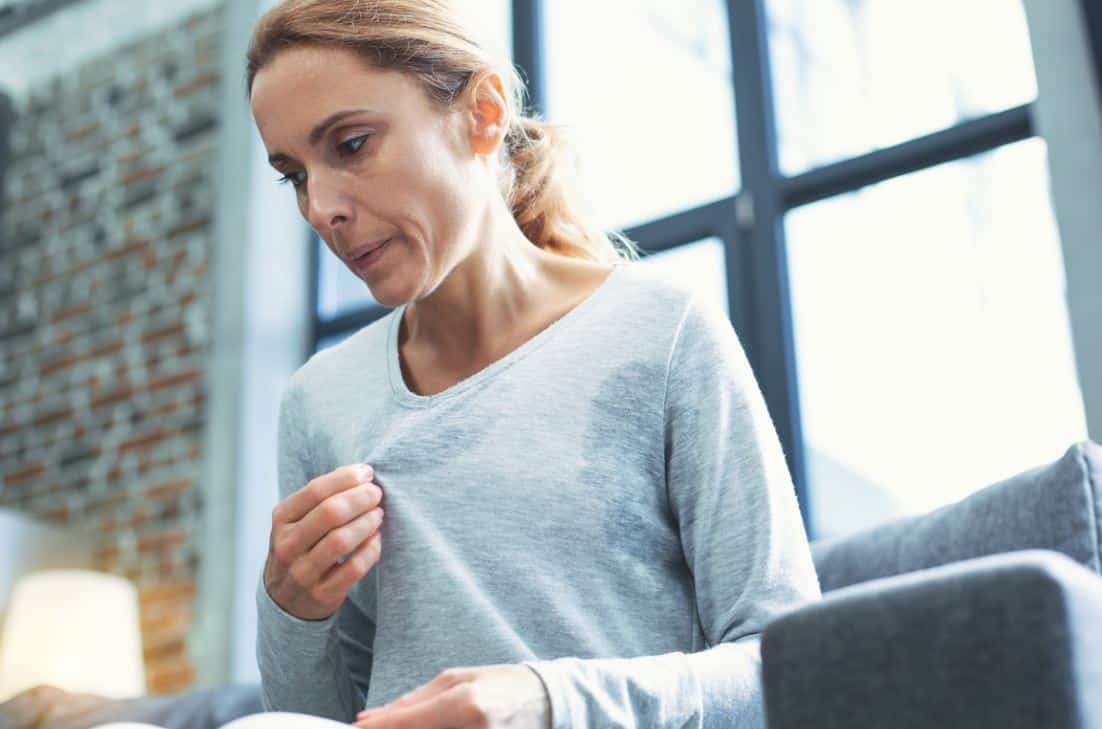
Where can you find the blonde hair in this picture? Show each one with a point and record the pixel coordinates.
(427, 40)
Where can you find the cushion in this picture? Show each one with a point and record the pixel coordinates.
(1055, 506)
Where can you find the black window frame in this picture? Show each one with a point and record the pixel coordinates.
(750, 223)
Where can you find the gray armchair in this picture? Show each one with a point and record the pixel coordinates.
(983, 613)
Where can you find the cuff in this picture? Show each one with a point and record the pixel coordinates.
(554, 682)
(268, 610)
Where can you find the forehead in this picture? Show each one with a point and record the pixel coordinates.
(304, 84)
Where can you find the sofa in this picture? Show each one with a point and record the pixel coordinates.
(984, 613)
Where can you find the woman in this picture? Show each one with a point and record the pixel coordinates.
(588, 516)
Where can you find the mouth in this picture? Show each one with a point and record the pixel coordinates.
(359, 253)
(368, 256)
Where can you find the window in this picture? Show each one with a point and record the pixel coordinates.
(932, 337)
(644, 89)
(865, 195)
(854, 75)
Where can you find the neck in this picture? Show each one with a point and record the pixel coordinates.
(485, 297)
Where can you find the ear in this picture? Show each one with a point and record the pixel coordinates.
(487, 112)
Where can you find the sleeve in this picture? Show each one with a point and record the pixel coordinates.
(744, 543)
(318, 667)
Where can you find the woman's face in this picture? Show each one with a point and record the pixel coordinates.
(371, 159)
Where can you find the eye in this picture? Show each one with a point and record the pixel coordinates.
(290, 178)
(347, 144)
(357, 141)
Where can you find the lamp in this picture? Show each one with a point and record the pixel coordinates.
(74, 629)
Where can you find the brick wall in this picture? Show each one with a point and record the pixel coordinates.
(105, 306)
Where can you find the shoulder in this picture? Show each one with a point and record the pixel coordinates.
(327, 367)
(677, 310)
(648, 298)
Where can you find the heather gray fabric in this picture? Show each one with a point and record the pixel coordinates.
(1006, 641)
(1056, 506)
(608, 504)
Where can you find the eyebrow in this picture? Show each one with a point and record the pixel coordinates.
(317, 132)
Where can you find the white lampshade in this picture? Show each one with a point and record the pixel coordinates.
(74, 629)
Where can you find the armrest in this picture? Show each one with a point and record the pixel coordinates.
(1009, 640)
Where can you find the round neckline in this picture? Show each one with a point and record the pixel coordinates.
(407, 397)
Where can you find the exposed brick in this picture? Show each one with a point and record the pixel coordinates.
(167, 408)
(169, 678)
(161, 626)
(142, 174)
(157, 648)
(108, 202)
(26, 473)
(171, 380)
(188, 227)
(60, 514)
(125, 392)
(77, 310)
(193, 86)
(168, 490)
(48, 368)
(175, 329)
(154, 541)
(125, 250)
(166, 592)
(139, 518)
(146, 439)
(52, 417)
(110, 348)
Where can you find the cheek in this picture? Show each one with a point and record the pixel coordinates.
(431, 192)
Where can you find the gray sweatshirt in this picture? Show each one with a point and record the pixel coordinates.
(608, 504)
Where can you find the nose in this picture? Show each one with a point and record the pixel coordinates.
(327, 205)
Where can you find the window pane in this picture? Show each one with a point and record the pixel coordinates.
(339, 289)
(873, 73)
(700, 265)
(933, 346)
(644, 87)
(491, 22)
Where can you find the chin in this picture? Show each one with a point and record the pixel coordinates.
(387, 296)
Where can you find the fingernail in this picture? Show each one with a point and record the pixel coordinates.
(366, 471)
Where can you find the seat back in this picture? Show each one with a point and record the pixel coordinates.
(1056, 506)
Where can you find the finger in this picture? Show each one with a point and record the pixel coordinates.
(337, 546)
(340, 578)
(299, 504)
(336, 511)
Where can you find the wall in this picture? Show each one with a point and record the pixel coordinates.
(1068, 115)
(106, 312)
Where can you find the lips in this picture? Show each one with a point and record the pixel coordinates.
(364, 250)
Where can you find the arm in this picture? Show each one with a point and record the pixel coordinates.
(743, 540)
(319, 667)
(1006, 640)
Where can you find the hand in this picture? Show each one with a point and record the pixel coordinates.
(333, 515)
(503, 696)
